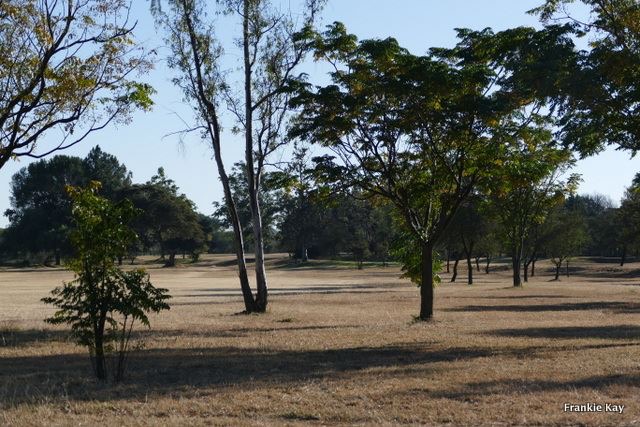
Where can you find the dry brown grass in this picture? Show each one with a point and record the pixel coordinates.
(338, 346)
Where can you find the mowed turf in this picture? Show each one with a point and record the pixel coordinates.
(338, 346)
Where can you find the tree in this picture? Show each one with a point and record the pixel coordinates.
(489, 244)
(601, 220)
(65, 69)
(101, 296)
(567, 235)
(168, 219)
(527, 186)
(598, 104)
(629, 218)
(301, 205)
(40, 213)
(467, 227)
(272, 48)
(422, 132)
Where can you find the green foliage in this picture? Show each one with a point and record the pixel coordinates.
(598, 104)
(65, 71)
(102, 303)
(168, 219)
(567, 235)
(424, 132)
(407, 250)
(40, 215)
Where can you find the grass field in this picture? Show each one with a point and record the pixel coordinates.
(339, 346)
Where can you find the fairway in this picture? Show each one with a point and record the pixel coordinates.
(338, 346)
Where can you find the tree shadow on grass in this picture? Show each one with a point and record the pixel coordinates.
(475, 390)
(298, 290)
(515, 297)
(615, 306)
(32, 379)
(16, 337)
(187, 372)
(619, 332)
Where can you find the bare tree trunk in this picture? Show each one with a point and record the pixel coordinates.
(558, 264)
(253, 178)
(486, 267)
(469, 271)
(426, 288)
(448, 259)
(100, 361)
(516, 261)
(211, 116)
(526, 271)
(533, 268)
(478, 264)
(517, 282)
(455, 270)
(624, 255)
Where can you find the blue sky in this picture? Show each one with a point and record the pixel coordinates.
(418, 25)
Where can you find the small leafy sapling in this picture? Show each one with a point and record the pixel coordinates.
(103, 303)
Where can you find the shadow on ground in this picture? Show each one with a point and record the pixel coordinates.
(474, 391)
(189, 371)
(614, 306)
(618, 332)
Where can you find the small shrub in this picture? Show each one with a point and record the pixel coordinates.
(103, 303)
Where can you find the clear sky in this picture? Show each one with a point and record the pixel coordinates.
(418, 25)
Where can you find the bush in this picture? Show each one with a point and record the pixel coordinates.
(102, 303)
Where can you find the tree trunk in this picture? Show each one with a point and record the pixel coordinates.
(171, 262)
(558, 264)
(533, 268)
(426, 288)
(100, 362)
(448, 260)
(516, 260)
(478, 264)
(624, 255)
(455, 270)
(526, 271)
(213, 130)
(486, 267)
(469, 271)
(253, 178)
(517, 282)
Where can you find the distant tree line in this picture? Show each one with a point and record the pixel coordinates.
(308, 218)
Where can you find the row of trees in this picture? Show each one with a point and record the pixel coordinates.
(310, 219)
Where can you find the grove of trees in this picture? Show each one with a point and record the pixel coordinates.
(460, 153)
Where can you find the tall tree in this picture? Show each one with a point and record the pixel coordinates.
(272, 48)
(65, 69)
(422, 132)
